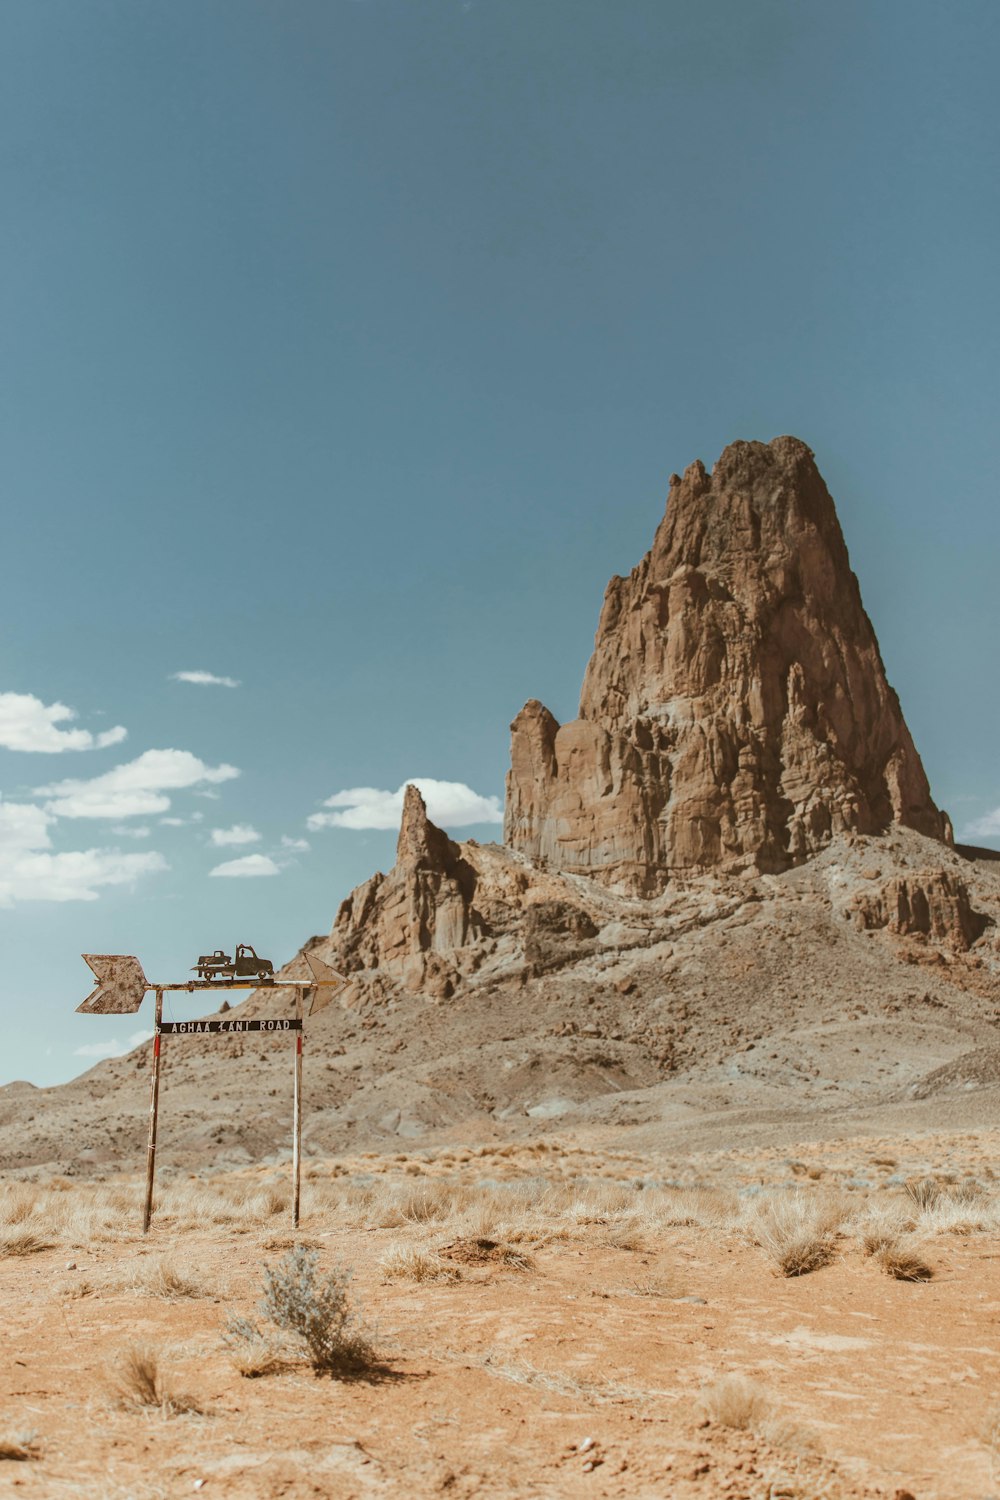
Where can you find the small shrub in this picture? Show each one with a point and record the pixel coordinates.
(316, 1311)
(137, 1382)
(904, 1261)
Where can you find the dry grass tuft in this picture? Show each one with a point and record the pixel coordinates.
(20, 1449)
(160, 1278)
(410, 1263)
(138, 1383)
(797, 1233)
(741, 1403)
(736, 1401)
(20, 1240)
(924, 1192)
(904, 1260)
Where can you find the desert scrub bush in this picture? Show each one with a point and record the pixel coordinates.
(796, 1233)
(410, 1263)
(905, 1260)
(741, 1403)
(313, 1312)
(138, 1383)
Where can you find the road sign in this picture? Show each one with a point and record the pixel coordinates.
(122, 984)
(120, 988)
(327, 980)
(229, 1028)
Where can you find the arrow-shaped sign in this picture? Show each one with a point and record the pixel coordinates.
(326, 977)
(121, 985)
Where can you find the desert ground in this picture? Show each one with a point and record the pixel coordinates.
(540, 1318)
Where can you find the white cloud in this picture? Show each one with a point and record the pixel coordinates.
(986, 827)
(240, 833)
(26, 723)
(298, 846)
(135, 789)
(112, 1047)
(30, 871)
(450, 804)
(249, 865)
(124, 832)
(205, 679)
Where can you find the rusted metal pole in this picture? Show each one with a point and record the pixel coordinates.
(297, 1116)
(154, 1103)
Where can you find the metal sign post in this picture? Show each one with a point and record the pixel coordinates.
(120, 990)
(297, 1116)
(154, 1106)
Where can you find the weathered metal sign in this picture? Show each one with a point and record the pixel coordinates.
(326, 978)
(121, 985)
(195, 1028)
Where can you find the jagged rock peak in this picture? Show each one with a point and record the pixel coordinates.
(735, 712)
(421, 844)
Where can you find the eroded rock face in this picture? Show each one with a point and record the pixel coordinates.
(735, 713)
(422, 909)
(932, 903)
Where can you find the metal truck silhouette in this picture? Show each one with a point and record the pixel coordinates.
(219, 965)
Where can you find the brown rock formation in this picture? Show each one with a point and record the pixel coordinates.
(405, 920)
(735, 712)
(931, 903)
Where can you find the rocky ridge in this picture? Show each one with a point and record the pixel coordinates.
(726, 894)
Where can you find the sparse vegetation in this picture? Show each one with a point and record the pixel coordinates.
(314, 1312)
(796, 1232)
(138, 1382)
(161, 1278)
(18, 1239)
(410, 1263)
(904, 1260)
(739, 1402)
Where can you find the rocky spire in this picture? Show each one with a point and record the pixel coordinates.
(735, 712)
(421, 844)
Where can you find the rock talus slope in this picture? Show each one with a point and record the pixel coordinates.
(735, 712)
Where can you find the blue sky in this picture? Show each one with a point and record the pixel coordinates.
(347, 347)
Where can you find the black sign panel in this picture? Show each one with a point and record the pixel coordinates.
(234, 1028)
